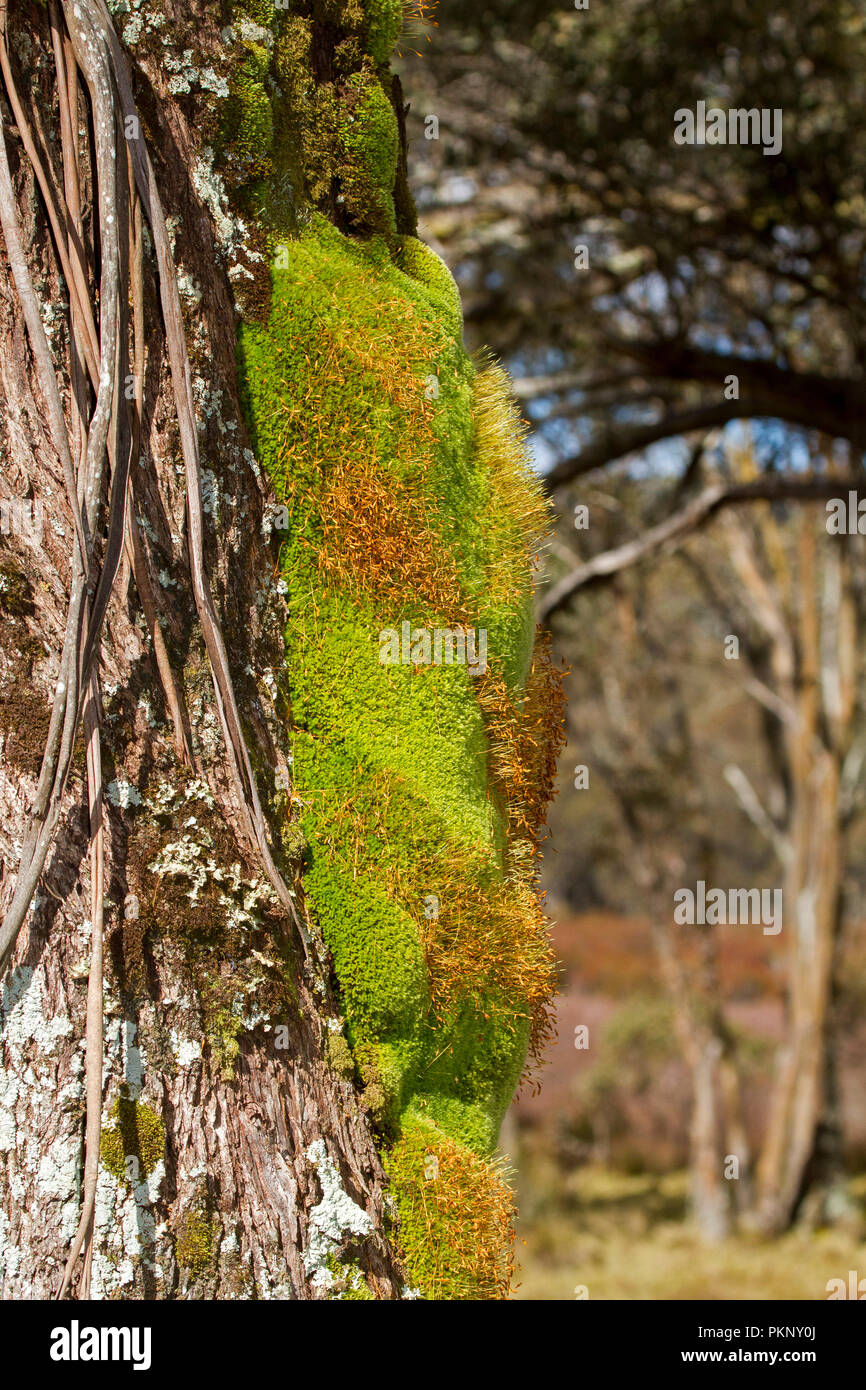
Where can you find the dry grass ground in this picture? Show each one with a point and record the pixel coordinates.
(627, 1237)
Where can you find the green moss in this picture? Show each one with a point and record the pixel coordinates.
(338, 1056)
(370, 146)
(195, 1246)
(134, 1132)
(223, 1032)
(431, 271)
(309, 118)
(401, 466)
(455, 1216)
(294, 843)
(262, 12)
(16, 594)
(247, 129)
(25, 716)
(379, 1094)
(348, 1281)
(338, 138)
(384, 20)
(340, 372)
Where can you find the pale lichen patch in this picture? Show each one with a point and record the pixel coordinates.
(335, 1216)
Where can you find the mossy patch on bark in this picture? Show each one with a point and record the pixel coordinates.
(25, 713)
(410, 501)
(196, 1241)
(133, 1141)
(412, 506)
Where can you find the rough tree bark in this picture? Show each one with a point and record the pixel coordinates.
(214, 1184)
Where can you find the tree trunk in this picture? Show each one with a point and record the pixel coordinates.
(802, 1146)
(219, 1077)
(812, 908)
(705, 1047)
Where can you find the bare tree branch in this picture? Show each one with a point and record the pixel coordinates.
(630, 439)
(774, 488)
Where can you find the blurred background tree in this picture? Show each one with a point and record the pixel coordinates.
(555, 133)
(685, 325)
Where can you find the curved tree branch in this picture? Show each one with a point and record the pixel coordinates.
(629, 439)
(773, 488)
